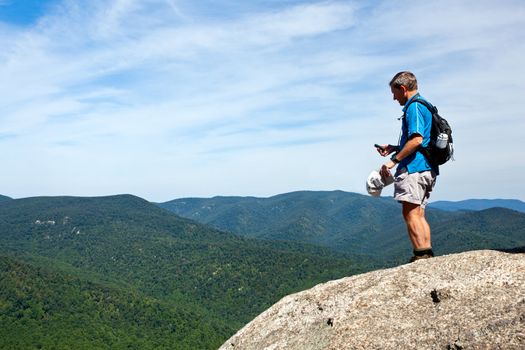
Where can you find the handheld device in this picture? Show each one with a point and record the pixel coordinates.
(379, 146)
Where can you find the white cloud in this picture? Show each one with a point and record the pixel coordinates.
(149, 92)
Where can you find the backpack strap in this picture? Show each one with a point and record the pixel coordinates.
(430, 107)
(433, 110)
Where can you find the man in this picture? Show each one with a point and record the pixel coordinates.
(415, 177)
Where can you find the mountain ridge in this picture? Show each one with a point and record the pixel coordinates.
(350, 222)
(4, 198)
(479, 204)
(295, 214)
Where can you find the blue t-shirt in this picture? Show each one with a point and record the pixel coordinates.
(417, 120)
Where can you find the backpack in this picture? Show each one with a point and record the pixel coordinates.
(440, 148)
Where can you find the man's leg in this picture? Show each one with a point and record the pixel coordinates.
(417, 226)
(410, 189)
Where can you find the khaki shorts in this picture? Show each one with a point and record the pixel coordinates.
(414, 188)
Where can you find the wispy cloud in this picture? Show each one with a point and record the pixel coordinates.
(155, 87)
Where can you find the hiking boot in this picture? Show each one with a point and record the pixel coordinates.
(419, 257)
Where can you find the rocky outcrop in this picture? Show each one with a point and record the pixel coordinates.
(473, 300)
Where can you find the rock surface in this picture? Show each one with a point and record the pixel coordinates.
(473, 300)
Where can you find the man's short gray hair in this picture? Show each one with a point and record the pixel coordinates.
(406, 79)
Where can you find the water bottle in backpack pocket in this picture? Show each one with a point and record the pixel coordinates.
(442, 141)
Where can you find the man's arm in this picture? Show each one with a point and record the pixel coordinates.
(410, 147)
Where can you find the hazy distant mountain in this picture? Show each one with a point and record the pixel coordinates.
(495, 228)
(125, 244)
(479, 204)
(351, 222)
(504, 227)
(4, 198)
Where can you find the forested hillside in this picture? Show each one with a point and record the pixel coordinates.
(124, 243)
(45, 309)
(339, 220)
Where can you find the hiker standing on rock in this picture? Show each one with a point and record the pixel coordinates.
(414, 177)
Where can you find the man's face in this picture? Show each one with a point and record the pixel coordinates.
(399, 94)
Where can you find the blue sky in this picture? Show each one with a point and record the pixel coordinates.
(23, 12)
(167, 99)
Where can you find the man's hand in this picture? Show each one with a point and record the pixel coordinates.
(385, 169)
(385, 150)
